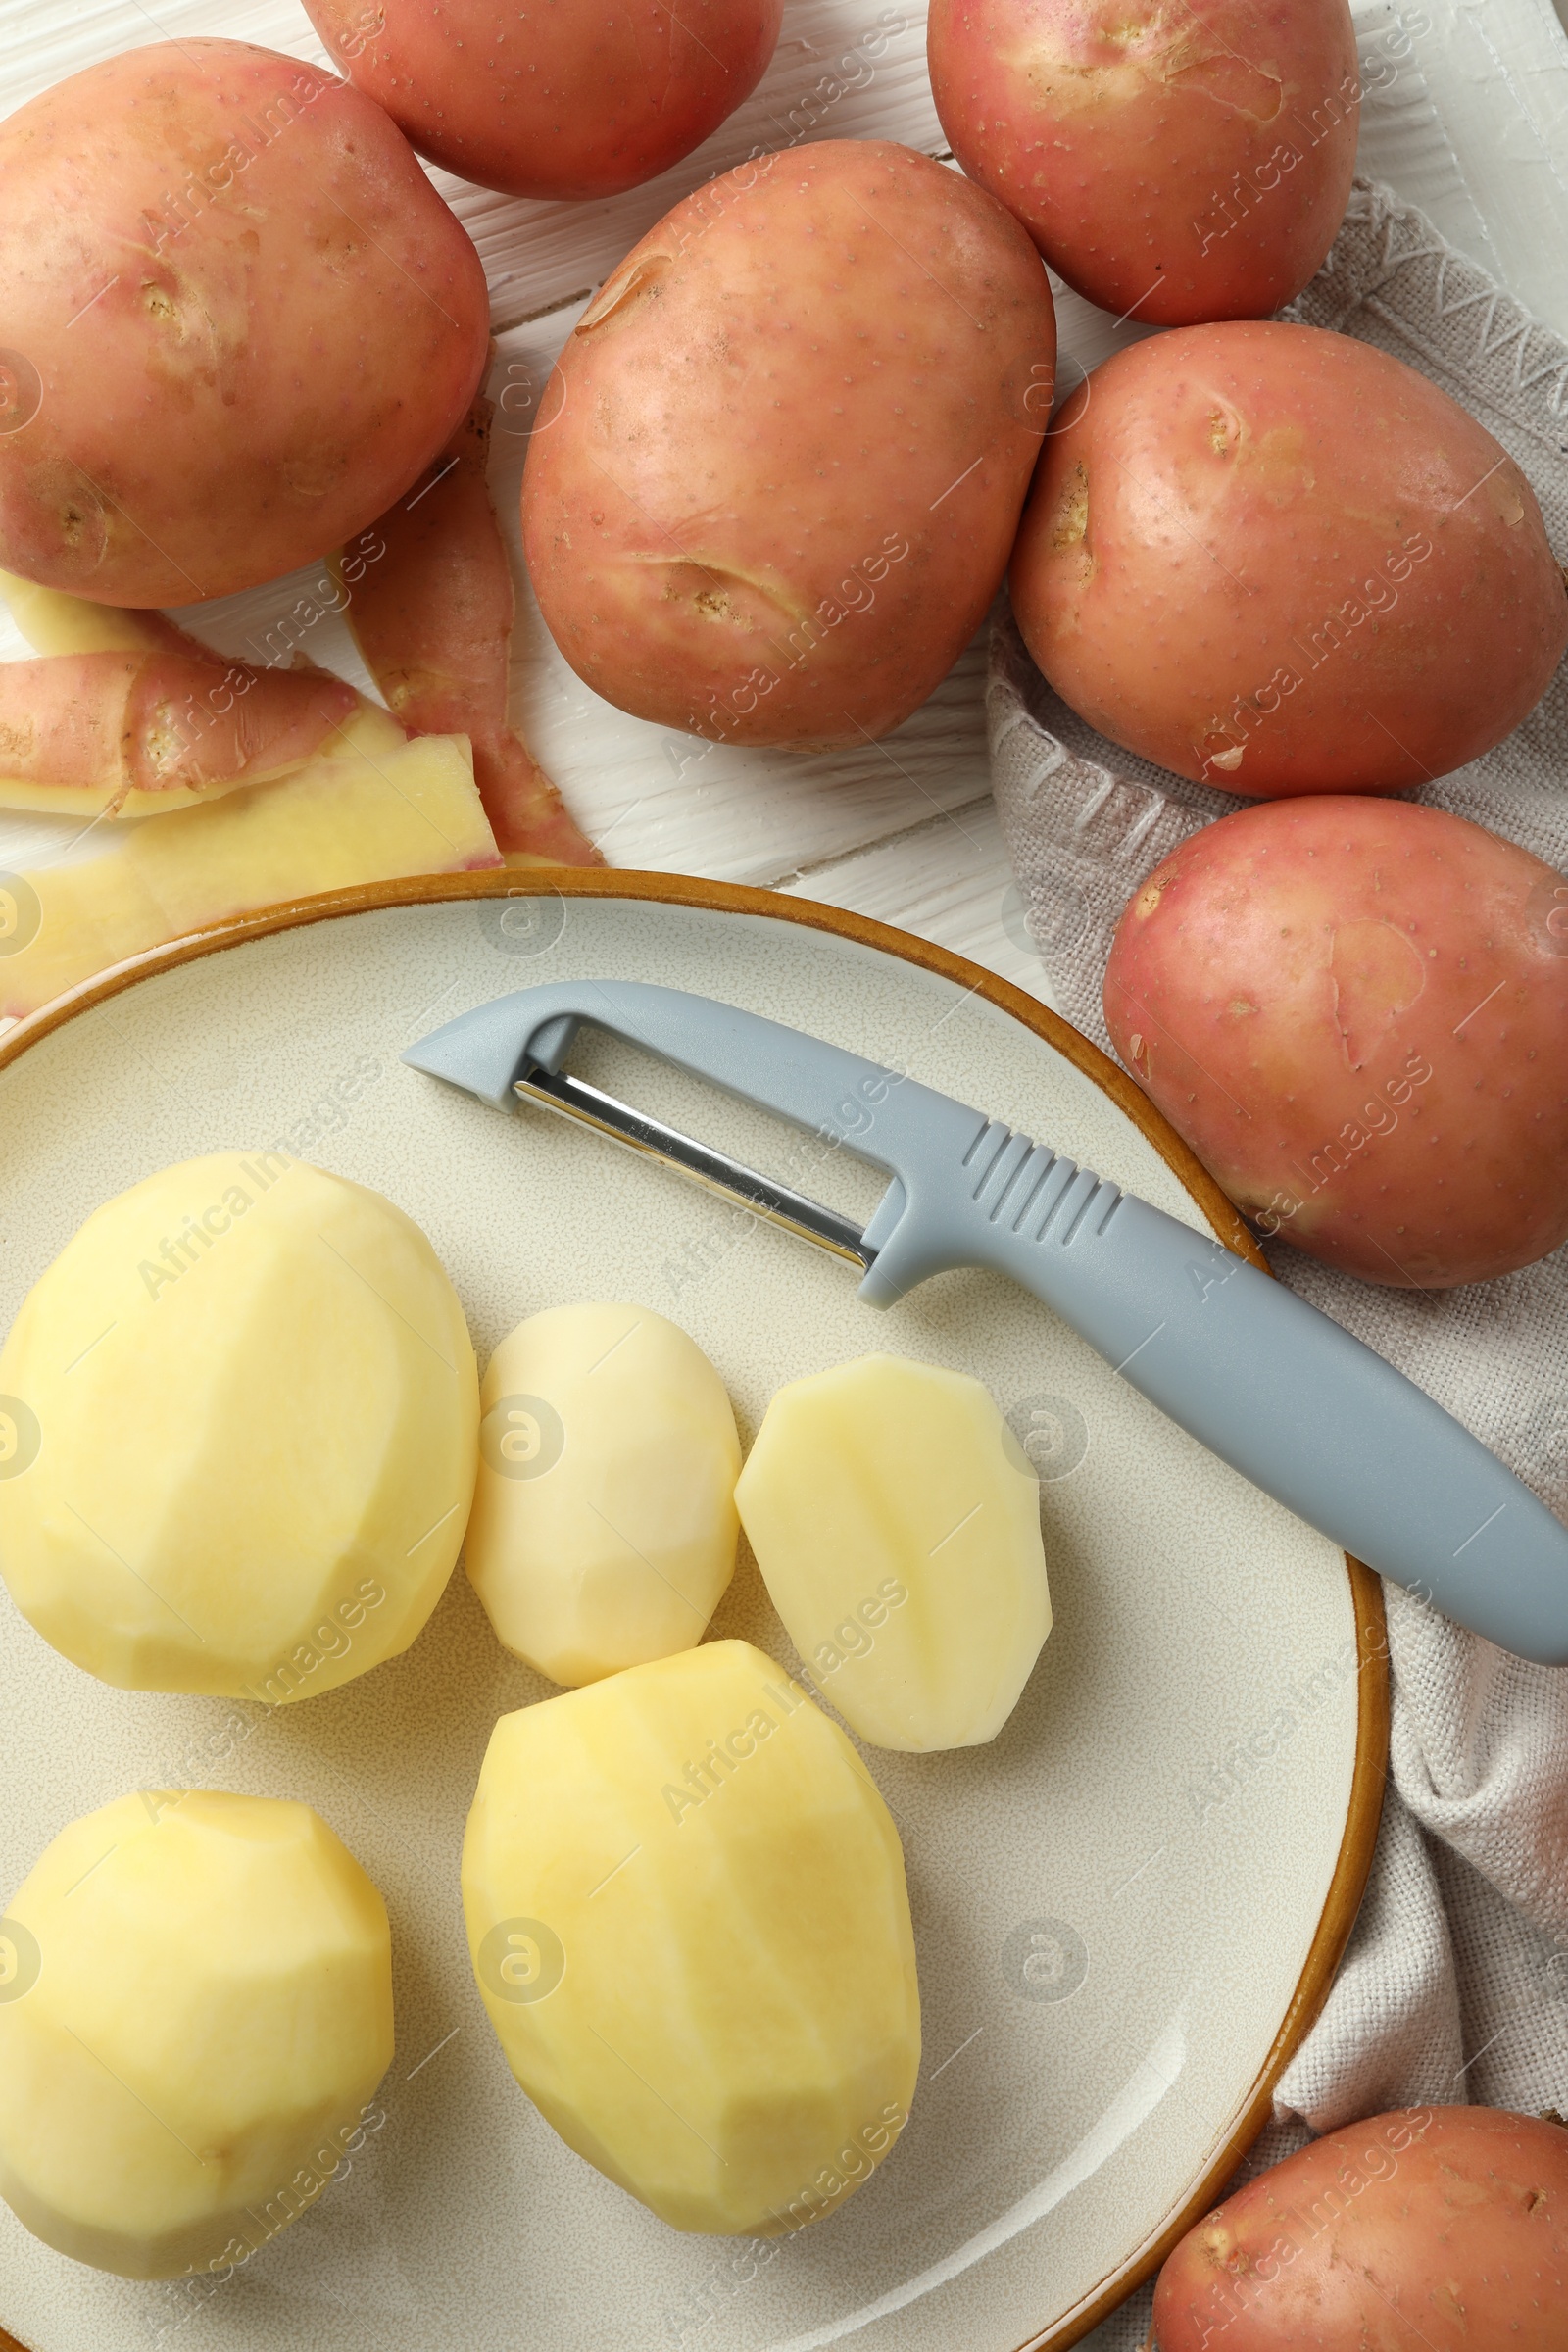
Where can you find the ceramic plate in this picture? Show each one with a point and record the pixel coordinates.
(1126, 1908)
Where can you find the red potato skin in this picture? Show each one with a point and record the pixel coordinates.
(158, 722)
(1279, 561)
(570, 98)
(1357, 1013)
(780, 465)
(1438, 2227)
(250, 318)
(1175, 164)
(429, 597)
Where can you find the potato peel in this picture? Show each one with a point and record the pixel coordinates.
(430, 600)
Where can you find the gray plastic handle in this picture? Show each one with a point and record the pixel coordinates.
(1280, 1392)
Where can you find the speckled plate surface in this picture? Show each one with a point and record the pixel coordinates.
(1126, 1908)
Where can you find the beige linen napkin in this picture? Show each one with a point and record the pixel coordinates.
(1455, 1985)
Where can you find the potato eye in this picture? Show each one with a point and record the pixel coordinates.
(621, 291)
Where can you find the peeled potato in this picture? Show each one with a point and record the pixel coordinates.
(896, 1521)
(603, 1525)
(195, 2009)
(688, 1919)
(237, 1434)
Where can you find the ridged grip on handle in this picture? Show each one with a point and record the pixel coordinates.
(1280, 1392)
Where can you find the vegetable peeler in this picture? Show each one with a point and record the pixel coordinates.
(1274, 1388)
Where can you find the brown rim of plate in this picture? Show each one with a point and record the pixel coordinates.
(735, 898)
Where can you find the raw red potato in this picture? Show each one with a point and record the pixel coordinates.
(133, 734)
(430, 600)
(1172, 163)
(1442, 2227)
(572, 99)
(243, 321)
(1357, 1013)
(780, 463)
(1277, 560)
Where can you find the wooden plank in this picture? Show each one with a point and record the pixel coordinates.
(948, 881)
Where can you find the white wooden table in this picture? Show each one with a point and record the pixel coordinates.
(1466, 115)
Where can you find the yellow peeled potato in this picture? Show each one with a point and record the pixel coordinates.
(195, 2011)
(54, 622)
(688, 1920)
(896, 1521)
(238, 1428)
(603, 1525)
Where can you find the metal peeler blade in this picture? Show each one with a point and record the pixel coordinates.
(573, 1099)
